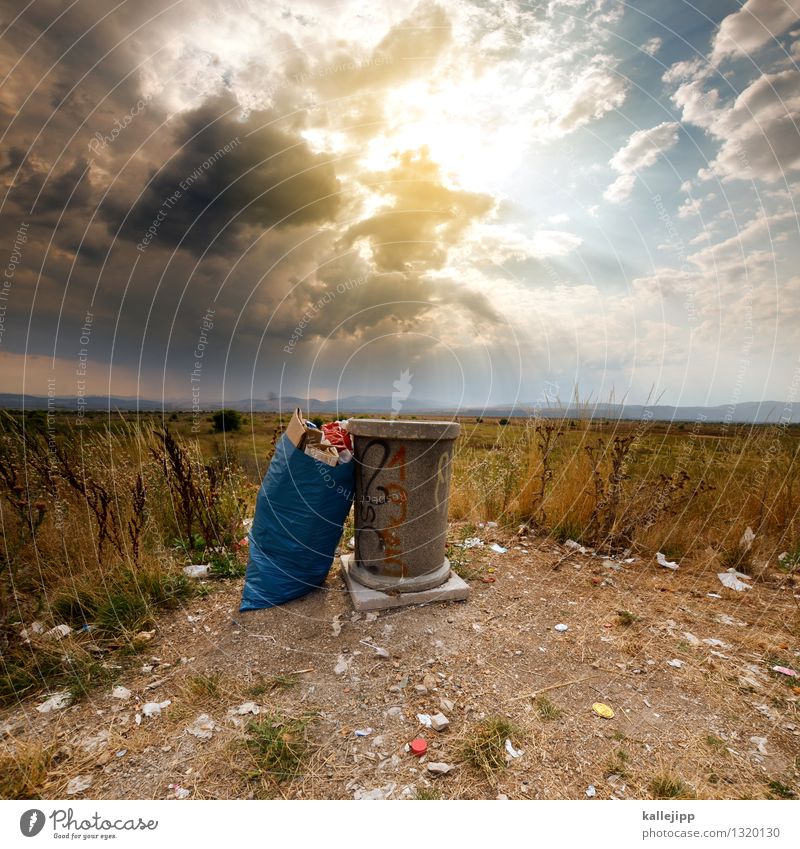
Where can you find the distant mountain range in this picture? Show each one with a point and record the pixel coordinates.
(746, 411)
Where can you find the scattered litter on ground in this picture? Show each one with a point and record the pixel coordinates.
(336, 625)
(363, 732)
(424, 719)
(498, 549)
(603, 710)
(120, 692)
(747, 538)
(79, 784)
(58, 701)
(784, 670)
(439, 768)
(152, 709)
(713, 595)
(342, 665)
(371, 616)
(179, 792)
(59, 632)
(734, 580)
(202, 728)
(95, 741)
(384, 653)
(374, 795)
(725, 619)
(472, 542)
(514, 753)
(719, 644)
(198, 570)
(667, 564)
(418, 747)
(561, 627)
(576, 546)
(761, 744)
(247, 707)
(677, 664)
(591, 792)
(691, 639)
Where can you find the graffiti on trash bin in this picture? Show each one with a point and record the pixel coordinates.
(391, 496)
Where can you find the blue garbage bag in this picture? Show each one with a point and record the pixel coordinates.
(300, 512)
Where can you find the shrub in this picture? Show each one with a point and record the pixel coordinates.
(226, 421)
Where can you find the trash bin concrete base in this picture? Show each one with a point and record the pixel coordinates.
(366, 598)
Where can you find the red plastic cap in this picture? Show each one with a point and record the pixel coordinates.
(419, 747)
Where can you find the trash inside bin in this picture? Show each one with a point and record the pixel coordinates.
(301, 507)
(403, 471)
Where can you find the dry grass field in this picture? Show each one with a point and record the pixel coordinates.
(99, 522)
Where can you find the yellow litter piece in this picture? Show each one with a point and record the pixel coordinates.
(603, 710)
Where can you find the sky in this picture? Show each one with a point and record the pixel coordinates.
(489, 202)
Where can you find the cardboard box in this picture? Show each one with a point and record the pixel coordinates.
(296, 429)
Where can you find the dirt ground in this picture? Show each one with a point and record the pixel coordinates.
(712, 716)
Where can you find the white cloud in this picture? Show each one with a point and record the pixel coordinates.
(652, 46)
(756, 23)
(560, 218)
(620, 190)
(644, 147)
(641, 150)
(758, 132)
(595, 92)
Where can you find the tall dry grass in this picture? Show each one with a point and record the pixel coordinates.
(97, 524)
(621, 485)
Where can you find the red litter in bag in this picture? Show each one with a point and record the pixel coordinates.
(337, 436)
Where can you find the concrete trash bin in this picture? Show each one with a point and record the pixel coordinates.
(403, 471)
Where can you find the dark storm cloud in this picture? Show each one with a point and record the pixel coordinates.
(229, 172)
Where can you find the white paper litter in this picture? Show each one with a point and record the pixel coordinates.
(336, 625)
(667, 564)
(120, 692)
(59, 632)
(515, 753)
(575, 546)
(152, 709)
(247, 707)
(498, 549)
(561, 627)
(198, 570)
(203, 727)
(747, 538)
(676, 663)
(58, 701)
(472, 542)
(424, 719)
(732, 581)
